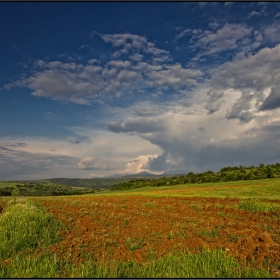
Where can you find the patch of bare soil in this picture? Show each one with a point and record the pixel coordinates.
(143, 228)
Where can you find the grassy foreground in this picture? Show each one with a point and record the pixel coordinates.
(27, 231)
(207, 264)
(25, 225)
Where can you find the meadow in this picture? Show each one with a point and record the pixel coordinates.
(222, 229)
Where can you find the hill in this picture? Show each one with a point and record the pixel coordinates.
(226, 174)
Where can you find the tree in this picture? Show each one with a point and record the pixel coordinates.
(15, 193)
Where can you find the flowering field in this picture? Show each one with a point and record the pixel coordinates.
(144, 228)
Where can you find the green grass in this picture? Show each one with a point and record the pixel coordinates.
(25, 225)
(207, 264)
(266, 189)
(4, 184)
(255, 205)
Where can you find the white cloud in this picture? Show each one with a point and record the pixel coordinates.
(201, 142)
(138, 164)
(214, 24)
(82, 84)
(146, 109)
(91, 163)
(101, 151)
(272, 32)
(223, 39)
(136, 57)
(137, 124)
(174, 76)
(203, 131)
(92, 61)
(253, 13)
(119, 64)
(183, 33)
(253, 77)
(131, 42)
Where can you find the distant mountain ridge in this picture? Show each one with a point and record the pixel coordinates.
(146, 174)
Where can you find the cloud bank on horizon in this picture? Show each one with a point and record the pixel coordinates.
(130, 87)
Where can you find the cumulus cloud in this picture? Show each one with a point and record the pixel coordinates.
(84, 83)
(198, 127)
(224, 38)
(273, 99)
(214, 103)
(173, 76)
(119, 64)
(252, 77)
(241, 108)
(62, 85)
(199, 143)
(136, 124)
(244, 90)
(159, 163)
(92, 163)
(130, 42)
(92, 61)
(272, 32)
(138, 164)
(136, 57)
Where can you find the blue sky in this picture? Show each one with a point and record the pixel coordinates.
(93, 89)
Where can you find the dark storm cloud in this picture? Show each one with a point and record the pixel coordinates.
(240, 110)
(273, 100)
(159, 163)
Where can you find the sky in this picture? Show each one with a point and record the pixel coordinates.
(93, 89)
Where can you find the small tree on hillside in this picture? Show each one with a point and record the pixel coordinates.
(15, 193)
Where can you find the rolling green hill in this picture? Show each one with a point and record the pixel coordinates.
(226, 174)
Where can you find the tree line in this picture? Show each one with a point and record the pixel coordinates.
(45, 189)
(226, 174)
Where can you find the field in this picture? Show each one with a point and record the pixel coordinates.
(138, 233)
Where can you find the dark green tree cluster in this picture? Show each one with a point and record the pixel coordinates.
(226, 174)
(48, 189)
(4, 192)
